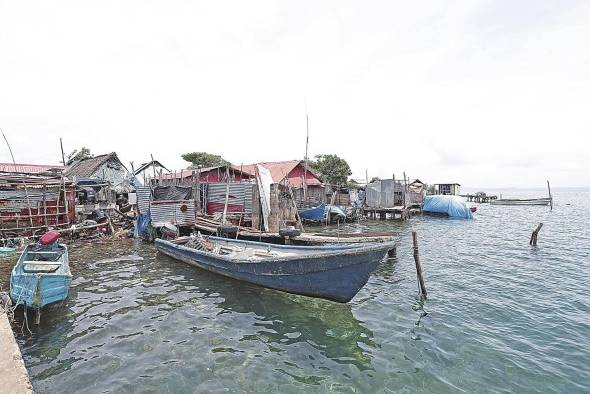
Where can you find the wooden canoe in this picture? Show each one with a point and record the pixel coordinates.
(335, 272)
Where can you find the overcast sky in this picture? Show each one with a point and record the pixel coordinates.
(486, 93)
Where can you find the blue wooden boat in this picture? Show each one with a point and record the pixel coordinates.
(315, 214)
(335, 272)
(41, 276)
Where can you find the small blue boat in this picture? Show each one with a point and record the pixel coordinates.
(335, 272)
(41, 276)
(315, 214)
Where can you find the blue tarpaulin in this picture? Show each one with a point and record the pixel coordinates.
(454, 206)
(141, 224)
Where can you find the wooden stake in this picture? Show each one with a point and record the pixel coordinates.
(418, 266)
(550, 197)
(226, 195)
(535, 234)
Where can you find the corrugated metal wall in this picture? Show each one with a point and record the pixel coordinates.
(381, 194)
(14, 207)
(144, 196)
(181, 213)
(239, 200)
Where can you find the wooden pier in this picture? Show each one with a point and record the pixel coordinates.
(393, 213)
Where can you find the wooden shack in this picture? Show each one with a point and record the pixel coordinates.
(452, 189)
(107, 168)
(32, 203)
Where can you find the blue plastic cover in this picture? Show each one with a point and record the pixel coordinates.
(454, 206)
(141, 224)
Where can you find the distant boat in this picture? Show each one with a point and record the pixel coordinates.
(41, 276)
(335, 272)
(315, 214)
(522, 201)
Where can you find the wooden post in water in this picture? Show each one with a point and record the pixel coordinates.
(534, 235)
(418, 266)
(550, 197)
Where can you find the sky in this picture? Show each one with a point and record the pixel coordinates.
(484, 93)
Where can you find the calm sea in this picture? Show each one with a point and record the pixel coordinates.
(501, 316)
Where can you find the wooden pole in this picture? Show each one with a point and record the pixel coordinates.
(226, 195)
(405, 213)
(550, 197)
(306, 146)
(153, 166)
(393, 179)
(45, 205)
(198, 197)
(64, 182)
(63, 157)
(534, 235)
(418, 266)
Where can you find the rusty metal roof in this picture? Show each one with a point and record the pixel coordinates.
(29, 168)
(87, 167)
(285, 169)
(188, 172)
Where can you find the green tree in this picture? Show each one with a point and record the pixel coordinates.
(374, 179)
(204, 159)
(79, 154)
(333, 169)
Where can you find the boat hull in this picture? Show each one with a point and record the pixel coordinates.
(41, 288)
(334, 275)
(541, 201)
(37, 291)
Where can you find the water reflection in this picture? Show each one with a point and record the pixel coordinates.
(134, 313)
(283, 319)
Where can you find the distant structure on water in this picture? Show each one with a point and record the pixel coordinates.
(447, 189)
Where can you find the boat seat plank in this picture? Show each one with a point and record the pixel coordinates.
(38, 266)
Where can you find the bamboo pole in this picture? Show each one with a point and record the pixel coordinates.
(226, 195)
(418, 266)
(45, 205)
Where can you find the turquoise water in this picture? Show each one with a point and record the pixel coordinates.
(501, 316)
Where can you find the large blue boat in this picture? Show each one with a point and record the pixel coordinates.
(335, 272)
(41, 276)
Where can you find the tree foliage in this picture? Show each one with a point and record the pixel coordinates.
(204, 159)
(374, 179)
(333, 169)
(79, 154)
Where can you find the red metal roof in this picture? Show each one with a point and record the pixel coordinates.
(292, 169)
(187, 173)
(29, 168)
